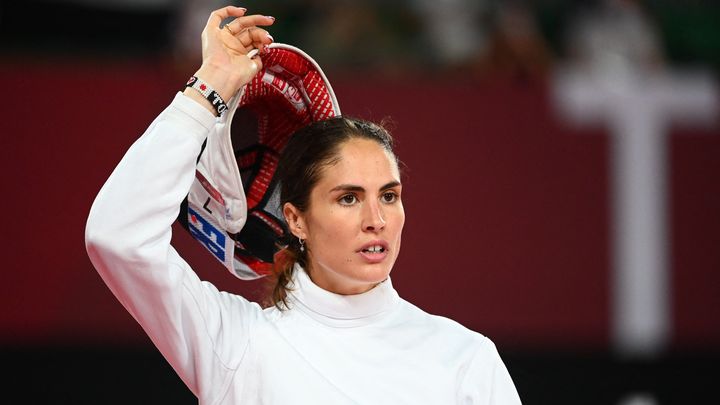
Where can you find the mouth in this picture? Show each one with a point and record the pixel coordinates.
(374, 249)
(374, 252)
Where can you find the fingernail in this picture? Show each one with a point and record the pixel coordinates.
(242, 8)
(270, 17)
(271, 38)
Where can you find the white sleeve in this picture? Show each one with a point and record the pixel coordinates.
(201, 332)
(487, 380)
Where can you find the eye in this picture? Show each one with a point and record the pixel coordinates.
(348, 199)
(390, 197)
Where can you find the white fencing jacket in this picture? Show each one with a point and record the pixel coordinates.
(372, 348)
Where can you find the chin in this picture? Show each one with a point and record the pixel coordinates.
(349, 278)
(374, 273)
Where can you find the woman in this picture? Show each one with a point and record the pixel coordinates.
(338, 332)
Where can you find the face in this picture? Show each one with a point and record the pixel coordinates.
(353, 225)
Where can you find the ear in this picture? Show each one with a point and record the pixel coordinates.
(295, 220)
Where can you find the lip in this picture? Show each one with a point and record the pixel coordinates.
(374, 257)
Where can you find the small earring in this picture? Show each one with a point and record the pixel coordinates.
(302, 244)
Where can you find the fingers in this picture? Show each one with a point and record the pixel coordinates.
(217, 16)
(247, 39)
(242, 22)
(254, 38)
(243, 28)
(256, 61)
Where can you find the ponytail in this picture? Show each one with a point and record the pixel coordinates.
(283, 269)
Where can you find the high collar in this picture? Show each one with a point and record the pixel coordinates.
(340, 310)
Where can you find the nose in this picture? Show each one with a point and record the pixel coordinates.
(373, 218)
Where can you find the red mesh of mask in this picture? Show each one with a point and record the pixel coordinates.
(289, 93)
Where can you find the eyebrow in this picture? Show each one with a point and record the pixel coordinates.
(352, 187)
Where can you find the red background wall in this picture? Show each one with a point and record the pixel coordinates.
(507, 210)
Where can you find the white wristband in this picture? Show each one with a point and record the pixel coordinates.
(209, 93)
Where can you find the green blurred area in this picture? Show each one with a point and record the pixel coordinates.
(689, 30)
(383, 35)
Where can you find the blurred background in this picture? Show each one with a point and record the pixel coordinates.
(562, 181)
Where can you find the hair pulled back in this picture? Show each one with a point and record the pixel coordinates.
(310, 150)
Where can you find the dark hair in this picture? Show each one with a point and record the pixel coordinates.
(310, 150)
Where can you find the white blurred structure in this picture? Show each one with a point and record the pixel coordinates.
(639, 399)
(453, 28)
(616, 78)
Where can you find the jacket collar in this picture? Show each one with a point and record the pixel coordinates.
(340, 310)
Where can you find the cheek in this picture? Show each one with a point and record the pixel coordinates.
(335, 227)
(398, 238)
(400, 219)
(395, 224)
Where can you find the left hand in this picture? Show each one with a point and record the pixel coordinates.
(225, 62)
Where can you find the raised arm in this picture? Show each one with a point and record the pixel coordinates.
(128, 231)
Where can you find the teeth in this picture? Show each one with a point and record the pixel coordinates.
(375, 249)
